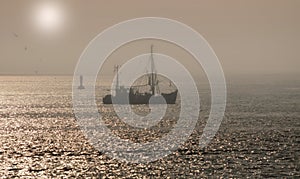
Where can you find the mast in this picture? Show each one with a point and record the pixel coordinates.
(152, 73)
(117, 70)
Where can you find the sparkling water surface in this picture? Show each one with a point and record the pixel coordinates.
(39, 136)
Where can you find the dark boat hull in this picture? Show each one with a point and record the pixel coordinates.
(169, 98)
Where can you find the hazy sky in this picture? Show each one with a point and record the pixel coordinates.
(261, 36)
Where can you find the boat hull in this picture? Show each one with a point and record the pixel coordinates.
(141, 98)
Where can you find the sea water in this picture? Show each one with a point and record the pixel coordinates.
(39, 136)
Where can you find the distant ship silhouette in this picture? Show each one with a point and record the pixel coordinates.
(81, 83)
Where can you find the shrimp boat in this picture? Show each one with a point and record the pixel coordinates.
(133, 95)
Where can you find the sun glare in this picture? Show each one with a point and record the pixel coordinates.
(48, 17)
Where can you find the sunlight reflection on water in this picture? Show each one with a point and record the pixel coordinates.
(40, 137)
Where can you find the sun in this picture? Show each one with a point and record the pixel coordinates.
(48, 17)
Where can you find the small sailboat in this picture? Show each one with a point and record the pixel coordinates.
(123, 94)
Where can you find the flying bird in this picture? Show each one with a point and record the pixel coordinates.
(15, 35)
